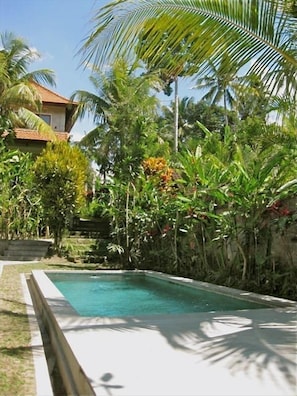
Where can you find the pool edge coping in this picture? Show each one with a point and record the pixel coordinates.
(65, 314)
(268, 300)
(42, 376)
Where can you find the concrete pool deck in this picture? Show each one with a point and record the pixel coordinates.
(246, 353)
(249, 352)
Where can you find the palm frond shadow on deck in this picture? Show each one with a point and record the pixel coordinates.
(240, 341)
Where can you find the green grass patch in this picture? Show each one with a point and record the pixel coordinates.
(17, 375)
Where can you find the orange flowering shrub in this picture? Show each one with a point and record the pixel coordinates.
(154, 166)
(158, 167)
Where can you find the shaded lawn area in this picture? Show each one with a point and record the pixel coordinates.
(17, 376)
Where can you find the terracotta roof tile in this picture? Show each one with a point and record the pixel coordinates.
(48, 96)
(30, 134)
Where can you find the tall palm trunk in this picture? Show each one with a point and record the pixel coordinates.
(176, 114)
(225, 108)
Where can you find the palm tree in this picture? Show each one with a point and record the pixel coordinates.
(191, 115)
(170, 63)
(18, 98)
(219, 84)
(259, 30)
(124, 112)
(252, 99)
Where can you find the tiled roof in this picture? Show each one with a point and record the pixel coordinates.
(48, 96)
(30, 134)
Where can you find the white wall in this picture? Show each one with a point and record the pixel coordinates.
(58, 116)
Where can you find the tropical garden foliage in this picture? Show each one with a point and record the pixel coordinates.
(42, 192)
(218, 215)
(218, 209)
(221, 207)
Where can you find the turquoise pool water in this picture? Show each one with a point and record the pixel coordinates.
(118, 295)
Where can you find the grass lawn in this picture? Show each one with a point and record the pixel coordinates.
(17, 376)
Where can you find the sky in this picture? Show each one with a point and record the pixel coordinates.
(57, 30)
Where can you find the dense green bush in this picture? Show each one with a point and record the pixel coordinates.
(60, 176)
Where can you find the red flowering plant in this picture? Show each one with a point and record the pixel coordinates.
(281, 214)
(279, 209)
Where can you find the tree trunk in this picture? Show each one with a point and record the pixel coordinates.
(225, 108)
(176, 114)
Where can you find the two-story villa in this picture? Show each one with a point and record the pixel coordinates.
(57, 111)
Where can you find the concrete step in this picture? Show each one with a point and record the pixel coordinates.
(20, 258)
(26, 250)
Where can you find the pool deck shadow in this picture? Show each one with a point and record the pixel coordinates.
(249, 352)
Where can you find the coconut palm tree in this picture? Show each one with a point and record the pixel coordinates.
(219, 84)
(124, 112)
(18, 98)
(258, 30)
(170, 64)
(252, 99)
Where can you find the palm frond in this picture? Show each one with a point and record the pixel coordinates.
(21, 95)
(89, 103)
(41, 76)
(247, 30)
(32, 121)
(91, 138)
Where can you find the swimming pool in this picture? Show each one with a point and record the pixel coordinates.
(117, 295)
(167, 353)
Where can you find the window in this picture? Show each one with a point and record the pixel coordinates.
(46, 118)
